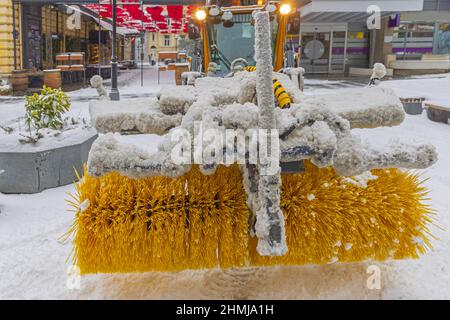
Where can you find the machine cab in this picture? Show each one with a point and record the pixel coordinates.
(227, 32)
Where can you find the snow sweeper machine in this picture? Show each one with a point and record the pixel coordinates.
(329, 197)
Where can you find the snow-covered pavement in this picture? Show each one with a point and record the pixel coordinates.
(34, 261)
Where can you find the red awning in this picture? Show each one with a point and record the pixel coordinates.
(152, 18)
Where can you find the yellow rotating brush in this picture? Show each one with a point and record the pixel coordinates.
(197, 221)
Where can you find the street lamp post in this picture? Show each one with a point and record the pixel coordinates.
(114, 94)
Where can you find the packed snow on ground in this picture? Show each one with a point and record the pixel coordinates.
(34, 264)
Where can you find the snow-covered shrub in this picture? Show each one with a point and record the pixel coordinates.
(45, 110)
(379, 72)
(97, 83)
(5, 87)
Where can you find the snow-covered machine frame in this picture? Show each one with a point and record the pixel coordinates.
(316, 129)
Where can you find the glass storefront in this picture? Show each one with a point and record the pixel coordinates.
(326, 48)
(443, 39)
(413, 39)
(315, 51)
(323, 48)
(358, 48)
(333, 48)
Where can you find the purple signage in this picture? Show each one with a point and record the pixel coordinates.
(394, 21)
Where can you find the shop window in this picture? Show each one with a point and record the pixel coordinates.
(411, 40)
(443, 39)
(357, 49)
(357, 35)
(167, 40)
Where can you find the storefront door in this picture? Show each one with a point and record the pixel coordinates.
(338, 54)
(32, 41)
(315, 52)
(323, 49)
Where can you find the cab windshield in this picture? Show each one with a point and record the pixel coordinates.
(238, 41)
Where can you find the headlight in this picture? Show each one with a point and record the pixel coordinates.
(285, 9)
(200, 15)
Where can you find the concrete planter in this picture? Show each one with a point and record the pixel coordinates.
(438, 111)
(33, 172)
(413, 106)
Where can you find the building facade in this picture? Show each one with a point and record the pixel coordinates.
(7, 53)
(425, 32)
(335, 37)
(43, 31)
(159, 42)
